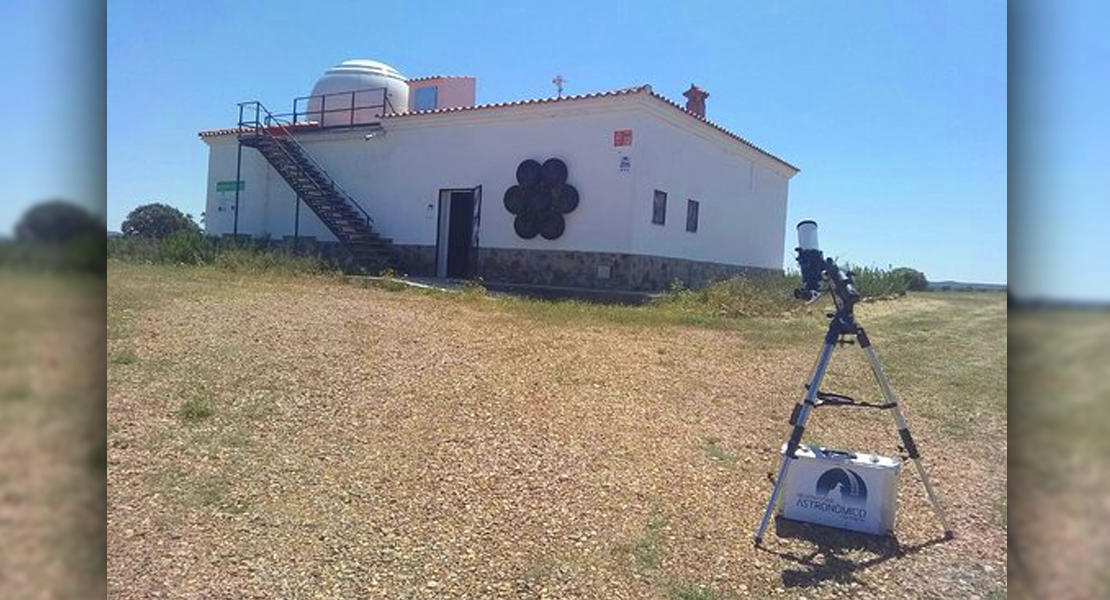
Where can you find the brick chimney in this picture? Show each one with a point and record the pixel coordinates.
(695, 100)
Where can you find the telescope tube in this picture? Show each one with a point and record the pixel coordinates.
(807, 235)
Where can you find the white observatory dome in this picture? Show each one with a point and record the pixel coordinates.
(365, 85)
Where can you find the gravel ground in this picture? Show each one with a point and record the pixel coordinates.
(51, 501)
(368, 444)
(1061, 518)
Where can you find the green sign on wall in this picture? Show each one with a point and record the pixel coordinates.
(230, 186)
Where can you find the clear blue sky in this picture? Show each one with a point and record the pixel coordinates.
(44, 151)
(1063, 246)
(896, 112)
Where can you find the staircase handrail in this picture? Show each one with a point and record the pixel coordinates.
(258, 126)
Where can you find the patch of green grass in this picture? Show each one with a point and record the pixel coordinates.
(195, 491)
(12, 350)
(196, 408)
(214, 491)
(124, 357)
(15, 392)
(646, 557)
(205, 490)
(579, 311)
(645, 553)
(1061, 397)
(473, 289)
(195, 249)
(717, 453)
(390, 284)
(946, 357)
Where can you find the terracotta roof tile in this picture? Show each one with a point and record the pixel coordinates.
(232, 130)
(430, 77)
(458, 109)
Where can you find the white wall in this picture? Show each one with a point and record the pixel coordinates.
(742, 195)
(266, 205)
(396, 176)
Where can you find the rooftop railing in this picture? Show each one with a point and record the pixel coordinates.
(340, 109)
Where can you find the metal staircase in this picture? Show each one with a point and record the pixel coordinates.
(345, 218)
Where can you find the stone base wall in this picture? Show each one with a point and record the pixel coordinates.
(565, 268)
(332, 253)
(416, 260)
(600, 270)
(561, 268)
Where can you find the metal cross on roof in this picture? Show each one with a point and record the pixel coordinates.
(559, 81)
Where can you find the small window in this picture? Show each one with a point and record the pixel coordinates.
(427, 98)
(691, 215)
(659, 208)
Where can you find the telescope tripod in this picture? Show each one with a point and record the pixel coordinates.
(843, 324)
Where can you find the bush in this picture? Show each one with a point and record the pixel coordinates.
(768, 294)
(263, 259)
(915, 280)
(744, 296)
(752, 295)
(83, 255)
(57, 222)
(157, 221)
(56, 236)
(188, 247)
(87, 254)
(193, 248)
(873, 282)
(196, 408)
(135, 249)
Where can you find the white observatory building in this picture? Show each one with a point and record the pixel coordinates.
(619, 190)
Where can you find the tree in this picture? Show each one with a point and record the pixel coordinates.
(915, 280)
(58, 222)
(157, 221)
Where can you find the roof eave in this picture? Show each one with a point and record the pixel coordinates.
(736, 137)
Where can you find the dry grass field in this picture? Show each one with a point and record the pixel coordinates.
(304, 437)
(1061, 406)
(51, 486)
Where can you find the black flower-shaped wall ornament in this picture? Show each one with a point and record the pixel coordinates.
(541, 198)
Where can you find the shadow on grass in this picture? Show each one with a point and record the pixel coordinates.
(832, 547)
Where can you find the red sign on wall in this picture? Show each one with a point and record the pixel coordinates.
(622, 137)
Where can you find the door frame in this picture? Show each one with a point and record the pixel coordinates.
(445, 194)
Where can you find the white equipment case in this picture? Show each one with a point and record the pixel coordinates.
(842, 489)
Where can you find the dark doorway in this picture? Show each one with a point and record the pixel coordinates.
(455, 253)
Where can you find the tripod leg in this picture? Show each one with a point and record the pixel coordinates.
(903, 428)
(798, 420)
